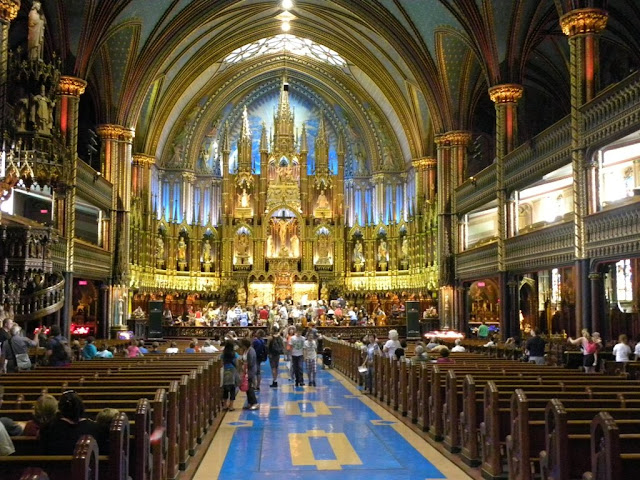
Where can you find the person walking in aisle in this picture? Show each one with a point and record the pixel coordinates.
(251, 366)
(310, 352)
(230, 376)
(297, 350)
(275, 348)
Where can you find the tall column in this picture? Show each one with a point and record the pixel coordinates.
(583, 27)
(597, 302)
(116, 156)
(444, 256)
(8, 12)
(506, 99)
(68, 100)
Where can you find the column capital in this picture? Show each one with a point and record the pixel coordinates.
(71, 86)
(584, 21)
(459, 137)
(423, 163)
(143, 159)
(506, 93)
(115, 132)
(593, 276)
(9, 10)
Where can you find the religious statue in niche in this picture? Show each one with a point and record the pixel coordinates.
(387, 158)
(383, 254)
(295, 245)
(159, 250)
(41, 112)
(242, 248)
(206, 255)
(322, 201)
(324, 250)
(358, 255)
(182, 254)
(244, 198)
(404, 252)
(35, 36)
(270, 252)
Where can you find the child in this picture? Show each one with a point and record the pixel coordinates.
(310, 358)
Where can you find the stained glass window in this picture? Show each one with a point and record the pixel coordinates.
(624, 287)
(286, 43)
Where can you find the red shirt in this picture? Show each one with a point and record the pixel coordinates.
(264, 314)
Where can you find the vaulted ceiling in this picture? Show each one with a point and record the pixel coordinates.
(423, 65)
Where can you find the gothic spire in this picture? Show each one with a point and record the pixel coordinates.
(303, 140)
(340, 144)
(246, 131)
(264, 141)
(226, 142)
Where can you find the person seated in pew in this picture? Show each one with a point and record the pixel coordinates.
(44, 412)
(492, 342)
(103, 352)
(173, 348)
(458, 348)
(621, 350)
(103, 420)
(155, 348)
(60, 436)
(6, 444)
(208, 347)
(14, 429)
(433, 342)
(444, 357)
(89, 350)
(133, 350)
(399, 353)
(636, 351)
(419, 355)
(191, 348)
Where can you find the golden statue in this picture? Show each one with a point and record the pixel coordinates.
(182, 250)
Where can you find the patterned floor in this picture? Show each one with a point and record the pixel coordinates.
(326, 432)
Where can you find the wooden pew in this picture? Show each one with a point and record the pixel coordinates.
(614, 455)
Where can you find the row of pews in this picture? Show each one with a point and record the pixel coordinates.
(511, 419)
(175, 397)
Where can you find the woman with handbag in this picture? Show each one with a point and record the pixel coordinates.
(16, 350)
(230, 376)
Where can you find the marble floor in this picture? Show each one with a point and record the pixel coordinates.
(331, 431)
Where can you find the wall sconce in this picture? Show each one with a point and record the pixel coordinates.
(473, 181)
(96, 176)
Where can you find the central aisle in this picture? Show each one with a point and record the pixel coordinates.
(324, 432)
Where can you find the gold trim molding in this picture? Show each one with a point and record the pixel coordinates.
(455, 137)
(506, 93)
(425, 162)
(71, 86)
(143, 159)
(115, 132)
(583, 21)
(9, 9)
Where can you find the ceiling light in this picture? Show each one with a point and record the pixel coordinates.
(286, 26)
(287, 4)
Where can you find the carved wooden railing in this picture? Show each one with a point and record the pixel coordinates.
(544, 153)
(90, 260)
(477, 261)
(614, 232)
(92, 185)
(41, 302)
(477, 191)
(547, 246)
(614, 112)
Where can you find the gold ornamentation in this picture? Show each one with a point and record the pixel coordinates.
(506, 93)
(115, 132)
(71, 86)
(143, 159)
(459, 137)
(424, 162)
(9, 9)
(583, 21)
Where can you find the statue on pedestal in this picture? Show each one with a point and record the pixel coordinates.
(322, 202)
(295, 245)
(41, 114)
(269, 246)
(206, 252)
(159, 249)
(182, 254)
(358, 255)
(244, 198)
(323, 250)
(35, 36)
(383, 254)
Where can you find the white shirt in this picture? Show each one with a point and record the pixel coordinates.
(390, 348)
(458, 348)
(209, 349)
(171, 350)
(310, 349)
(637, 351)
(622, 352)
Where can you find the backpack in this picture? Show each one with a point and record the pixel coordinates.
(591, 348)
(61, 351)
(261, 349)
(276, 346)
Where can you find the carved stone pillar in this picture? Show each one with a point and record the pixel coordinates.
(116, 158)
(583, 27)
(597, 297)
(505, 97)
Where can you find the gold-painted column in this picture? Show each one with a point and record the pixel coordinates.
(8, 12)
(141, 187)
(505, 97)
(116, 157)
(444, 254)
(583, 27)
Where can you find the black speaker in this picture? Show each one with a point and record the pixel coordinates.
(412, 310)
(155, 319)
